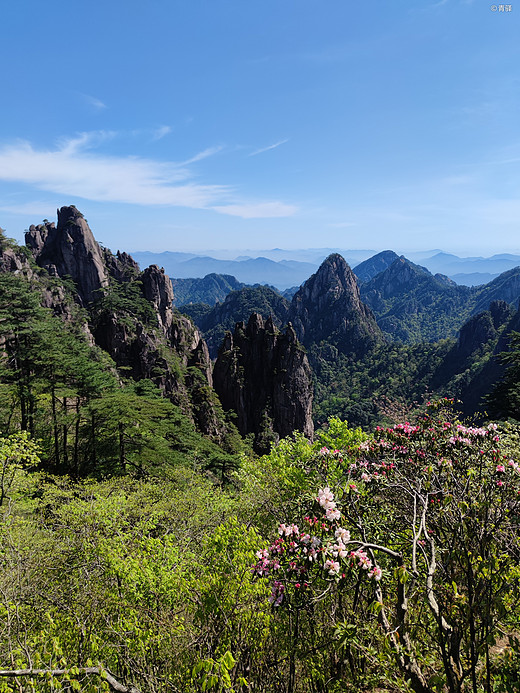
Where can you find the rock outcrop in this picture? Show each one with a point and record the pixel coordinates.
(265, 378)
(328, 307)
(69, 249)
(122, 267)
(157, 289)
(130, 314)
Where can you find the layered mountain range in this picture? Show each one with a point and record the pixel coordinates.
(129, 314)
(288, 268)
(410, 304)
(349, 325)
(340, 337)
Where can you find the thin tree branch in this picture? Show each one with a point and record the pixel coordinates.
(114, 684)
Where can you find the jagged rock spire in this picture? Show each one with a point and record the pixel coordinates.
(264, 376)
(328, 307)
(70, 249)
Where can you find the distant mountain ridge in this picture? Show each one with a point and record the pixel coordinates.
(283, 274)
(288, 268)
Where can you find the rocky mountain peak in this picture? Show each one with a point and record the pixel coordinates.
(370, 268)
(401, 274)
(70, 249)
(264, 376)
(328, 307)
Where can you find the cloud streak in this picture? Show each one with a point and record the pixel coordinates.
(74, 169)
(263, 210)
(94, 102)
(161, 132)
(267, 149)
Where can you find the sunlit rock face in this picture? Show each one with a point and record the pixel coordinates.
(70, 249)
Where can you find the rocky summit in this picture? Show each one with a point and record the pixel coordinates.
(263, 375)
(70, 249)
(328, 307)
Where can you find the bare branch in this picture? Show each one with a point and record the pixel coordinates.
(114, 684)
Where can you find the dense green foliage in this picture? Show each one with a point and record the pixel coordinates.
(237, 307)
(151, 578)
(384, 384)
(210, 289)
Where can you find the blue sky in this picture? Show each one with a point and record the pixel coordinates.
(196, 124)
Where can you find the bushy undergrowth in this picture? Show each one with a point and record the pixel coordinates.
(356, 563)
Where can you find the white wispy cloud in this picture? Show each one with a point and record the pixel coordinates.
(92, 101)
(268, 148)
(343, 224)
(210, 151)
(257, 210)
(37, 208)
(161, 132)
(74, 168)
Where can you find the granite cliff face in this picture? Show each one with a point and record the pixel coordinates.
(70, 249)
(130, 313)
(328, 307)
(265, 378)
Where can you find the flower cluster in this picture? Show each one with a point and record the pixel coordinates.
(298, 557)
(326, 500)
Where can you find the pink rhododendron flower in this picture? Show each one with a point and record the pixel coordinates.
(333, 514)
(331, 566)
(342, 534)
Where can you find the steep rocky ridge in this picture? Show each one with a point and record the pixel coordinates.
(471, 368)
(328, 307)
(368, 269)
(130, 314)
(506, 287)
(265, 378)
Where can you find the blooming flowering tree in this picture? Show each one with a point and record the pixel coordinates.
(428, 515)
